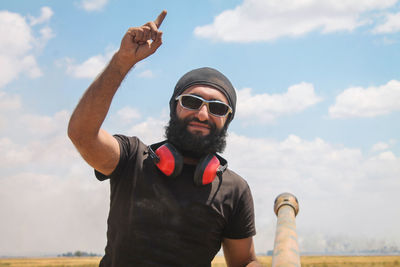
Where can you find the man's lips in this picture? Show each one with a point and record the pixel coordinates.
(200, 125)
(197, 126)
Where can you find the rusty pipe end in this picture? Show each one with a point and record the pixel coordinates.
(286, 199)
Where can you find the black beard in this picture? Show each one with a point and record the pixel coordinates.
(195, 145)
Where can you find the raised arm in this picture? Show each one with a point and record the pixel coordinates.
(97, 147)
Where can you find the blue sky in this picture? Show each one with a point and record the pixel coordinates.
(318, 86)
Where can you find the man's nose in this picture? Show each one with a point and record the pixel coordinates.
(202, 114)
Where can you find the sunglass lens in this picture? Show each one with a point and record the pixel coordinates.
(191, 102)
(218, 109)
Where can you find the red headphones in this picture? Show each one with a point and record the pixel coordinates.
(170, 162)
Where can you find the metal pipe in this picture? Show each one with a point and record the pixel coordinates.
(286, 248)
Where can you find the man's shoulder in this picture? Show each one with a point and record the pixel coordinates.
(234, 179)
(131, 147)
(132, 141)
(233, 174)
(126, 138)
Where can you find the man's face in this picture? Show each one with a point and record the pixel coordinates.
(197, 132)
(203, 119)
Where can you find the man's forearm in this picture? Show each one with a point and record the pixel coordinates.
(93, 107)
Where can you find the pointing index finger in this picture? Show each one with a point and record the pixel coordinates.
(160, 18)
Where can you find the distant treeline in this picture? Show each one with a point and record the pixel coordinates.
(372, 252)
(79, 253)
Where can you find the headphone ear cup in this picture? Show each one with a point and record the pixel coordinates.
(206, 170)
(171, 161)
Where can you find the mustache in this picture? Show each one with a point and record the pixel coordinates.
(195, 119)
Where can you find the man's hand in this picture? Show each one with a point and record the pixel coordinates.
(140, 42)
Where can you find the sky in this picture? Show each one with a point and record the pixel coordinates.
(318, 85)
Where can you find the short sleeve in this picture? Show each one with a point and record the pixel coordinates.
(128, 148)
(241, 223)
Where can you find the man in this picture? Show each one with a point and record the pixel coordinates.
(172, 203)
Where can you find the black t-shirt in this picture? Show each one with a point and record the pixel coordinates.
(155, 220)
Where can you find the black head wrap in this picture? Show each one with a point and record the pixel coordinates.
(205, 76)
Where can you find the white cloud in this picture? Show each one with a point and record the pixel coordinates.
(46, 33)
(387, 156)
(40, 208)
(18, 43)
(33, 139)
(146, 74)
(338, 188)
(13, 154)
(43, 184)
(44, 125)
(263, 108)
(16, 35)
(93, 5)
(142, 70)
(380, 146)
(90, 68)
(367, 102)
(9, 102)
(17, 123)
(128, 114)
(46, 14)
(391, 25)
(266, 20)
(8, 105)
(150, 130)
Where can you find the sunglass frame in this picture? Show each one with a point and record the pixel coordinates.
(204, 102)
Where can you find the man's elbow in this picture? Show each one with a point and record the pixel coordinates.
(74, 133)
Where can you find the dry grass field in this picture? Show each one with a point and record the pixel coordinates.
(51, 262)
(306, 261)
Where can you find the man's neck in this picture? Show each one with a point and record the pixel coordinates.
(190, 161)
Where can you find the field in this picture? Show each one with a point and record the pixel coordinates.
(306, 261)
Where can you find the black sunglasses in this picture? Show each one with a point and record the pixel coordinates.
(194, 102)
